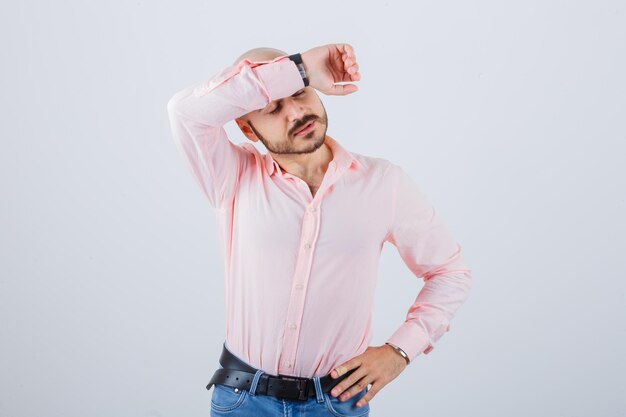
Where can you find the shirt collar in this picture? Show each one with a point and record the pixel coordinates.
(342, 158)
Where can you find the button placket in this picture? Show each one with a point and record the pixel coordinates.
(310, 232)
(298, 294)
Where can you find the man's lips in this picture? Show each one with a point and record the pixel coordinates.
(305, 127)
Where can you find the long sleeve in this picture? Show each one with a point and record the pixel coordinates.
(197, 115)
(429, 250)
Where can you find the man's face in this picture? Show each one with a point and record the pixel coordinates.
(276, 124)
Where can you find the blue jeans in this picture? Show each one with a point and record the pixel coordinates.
(228, 402)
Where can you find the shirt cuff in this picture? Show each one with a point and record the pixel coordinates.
(281, 77)
(411, 339)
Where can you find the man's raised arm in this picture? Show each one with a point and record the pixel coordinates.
(197, 115)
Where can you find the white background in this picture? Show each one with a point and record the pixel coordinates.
(509, 115)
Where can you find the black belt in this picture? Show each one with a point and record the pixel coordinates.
(238, 374)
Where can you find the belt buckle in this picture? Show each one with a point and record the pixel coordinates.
(298, 394)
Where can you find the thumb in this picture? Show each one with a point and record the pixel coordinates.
(344, 89)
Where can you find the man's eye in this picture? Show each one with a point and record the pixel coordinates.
(295, 95)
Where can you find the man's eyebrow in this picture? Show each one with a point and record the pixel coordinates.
(280, 100)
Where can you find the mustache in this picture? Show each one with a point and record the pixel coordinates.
(302, 124)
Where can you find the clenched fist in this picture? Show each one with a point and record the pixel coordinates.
(330, 64)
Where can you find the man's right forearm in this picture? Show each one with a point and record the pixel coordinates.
(235, 91)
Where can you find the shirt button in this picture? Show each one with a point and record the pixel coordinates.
(308, 246)
(299, 286)
(312, 209)
(292, 325)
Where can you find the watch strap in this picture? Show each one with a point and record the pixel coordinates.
(297, 59)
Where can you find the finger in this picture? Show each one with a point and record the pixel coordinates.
(339, 370)
(347, 50)
(350, 63)
(357, 387)
(348, 66)
(354, 68)
(347, 383)
(352, 363)
(369, 395)
(343, 89)
(351, 76)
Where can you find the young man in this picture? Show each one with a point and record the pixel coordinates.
(301, 229)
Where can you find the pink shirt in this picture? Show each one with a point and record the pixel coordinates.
(300, 271)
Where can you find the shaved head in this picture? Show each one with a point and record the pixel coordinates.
(260, 54)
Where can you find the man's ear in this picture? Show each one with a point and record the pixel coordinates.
(245, 129)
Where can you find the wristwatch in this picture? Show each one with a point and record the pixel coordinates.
(297, 58)
(401, 352)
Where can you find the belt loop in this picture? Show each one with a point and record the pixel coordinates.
(255, 381)
(318, 389)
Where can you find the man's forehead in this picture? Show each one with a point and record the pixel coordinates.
(277, 101)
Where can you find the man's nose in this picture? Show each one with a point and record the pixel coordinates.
(294, 110)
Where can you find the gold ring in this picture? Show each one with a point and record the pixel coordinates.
(340, 370)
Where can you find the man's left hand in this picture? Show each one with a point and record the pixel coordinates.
(378, 366)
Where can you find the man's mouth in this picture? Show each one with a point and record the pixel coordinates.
(306, 128)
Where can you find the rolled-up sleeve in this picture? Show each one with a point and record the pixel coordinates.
(429, 250)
